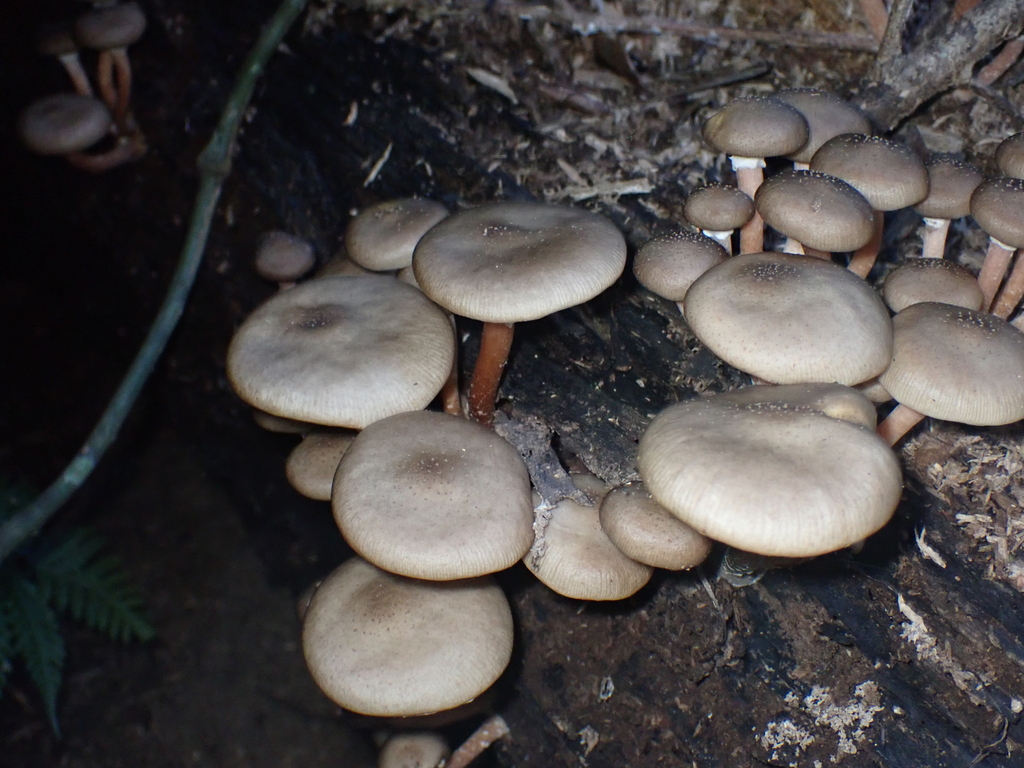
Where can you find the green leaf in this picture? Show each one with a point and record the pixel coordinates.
(94, 590)
(36, 640)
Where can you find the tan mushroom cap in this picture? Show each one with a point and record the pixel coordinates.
(718, 207)
(957, 364)
(383, 236)
(767, 476)
(116, 26)
(342, 351)
(816, 209)
(312, 463)
(833, 400)
(917, 280)
(574, 556)
(418, 749)
(1010, 156)
(512, 262)
(827, 116)
(759, 126)
(669, 264)
(648, 533)
(434, 496)
(888, 174)
(951, 183)
(283, 257)
(389, 646)
(998, 207)
(789, 319)
(63, 123)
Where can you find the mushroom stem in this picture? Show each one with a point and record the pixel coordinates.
(1012, 292)
(450, 400)
(723, 237)
(749, 175)
(128, 148)
(495, 343)
(105, 79)
(489, 732)
(818, 254)
(899, 421)
(863, 258)
(997, 259)
(73, 65)
(123, 71)
(933, 241)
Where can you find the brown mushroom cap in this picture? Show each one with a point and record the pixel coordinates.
(116, 26)
(383, 236)
(756, 127)
(63, 123)
(283, 258)
(511, 262)
(312, 463)
(951, 183)
(389, 646)
(1010, 156)
(668, 264)
(827, 117)
(816, 209)
(789, 319)
(917, 280)
(957, 364)
(342, 351)
(888, 174)
(574, 556)
(759, 473)
(998, 207)
(648, 533)
(718, 208)
(434, 496)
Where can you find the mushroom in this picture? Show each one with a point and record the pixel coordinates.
(788, 319)
(110, 30)
(383, 236)
(283, 258)
(955, 364)
(718, 210)
(950, 184)
(389, 646)
(1010, 156)
(931, 279)
(998, 207)
(827, 116)
(312, 463)
(56, 40)
(416, 749)
(749, 130)
(669, 264)
(434, 496)
(573, 555)
(773, 470)
(888, 174)
(342, 351)
(506, 263)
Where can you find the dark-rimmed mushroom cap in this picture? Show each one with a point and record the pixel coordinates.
(789, 319)
(63, 123)
(759, 473)
(757, 126)
(957, 364)
(116, 26)
(816, 209)
(918, 280)
(512, 262)
(998, 207)
(669, 264)
(342, 351)
(888, 174)
(434, 496)
(718, 207)
(389, 646)
(384, 236)
(827, 116)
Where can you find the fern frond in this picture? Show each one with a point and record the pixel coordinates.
(36, 640)
(94, 590)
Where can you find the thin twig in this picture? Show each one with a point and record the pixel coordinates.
(214, 164)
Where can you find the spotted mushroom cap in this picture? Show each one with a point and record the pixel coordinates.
(998, 207)
(434, 496)
(950, 185)
(390, 646)
(63, 123)
(759, 126)
(668, 264)
(816, 209)
(827, 116)
(917, 280)
(789, 319)
(888, 174)
(383, 236)
(718, 208)
(512, 262)
(1010, 156)
(765, 475)
(342, 351)
(957, 364)
(116, 26)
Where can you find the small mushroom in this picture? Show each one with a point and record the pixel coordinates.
(56, 40)
(718, 210)
(416, 749)
(998, 207)
(950, 185)
(931, 279)
(827, 116)
(383, 237)
(312, 463)
(283, 258)
(669, 264)
(1010, 156)
(110, 30)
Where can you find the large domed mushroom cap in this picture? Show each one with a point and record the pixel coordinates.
(115, 26)
(756, 127)
(63, 123)
(957, 364)
(342, 351)
(790, 319)
(434, 496)
(389, 646)
(888, 174)
(767, 474)
(512, 262)
(917, 280)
